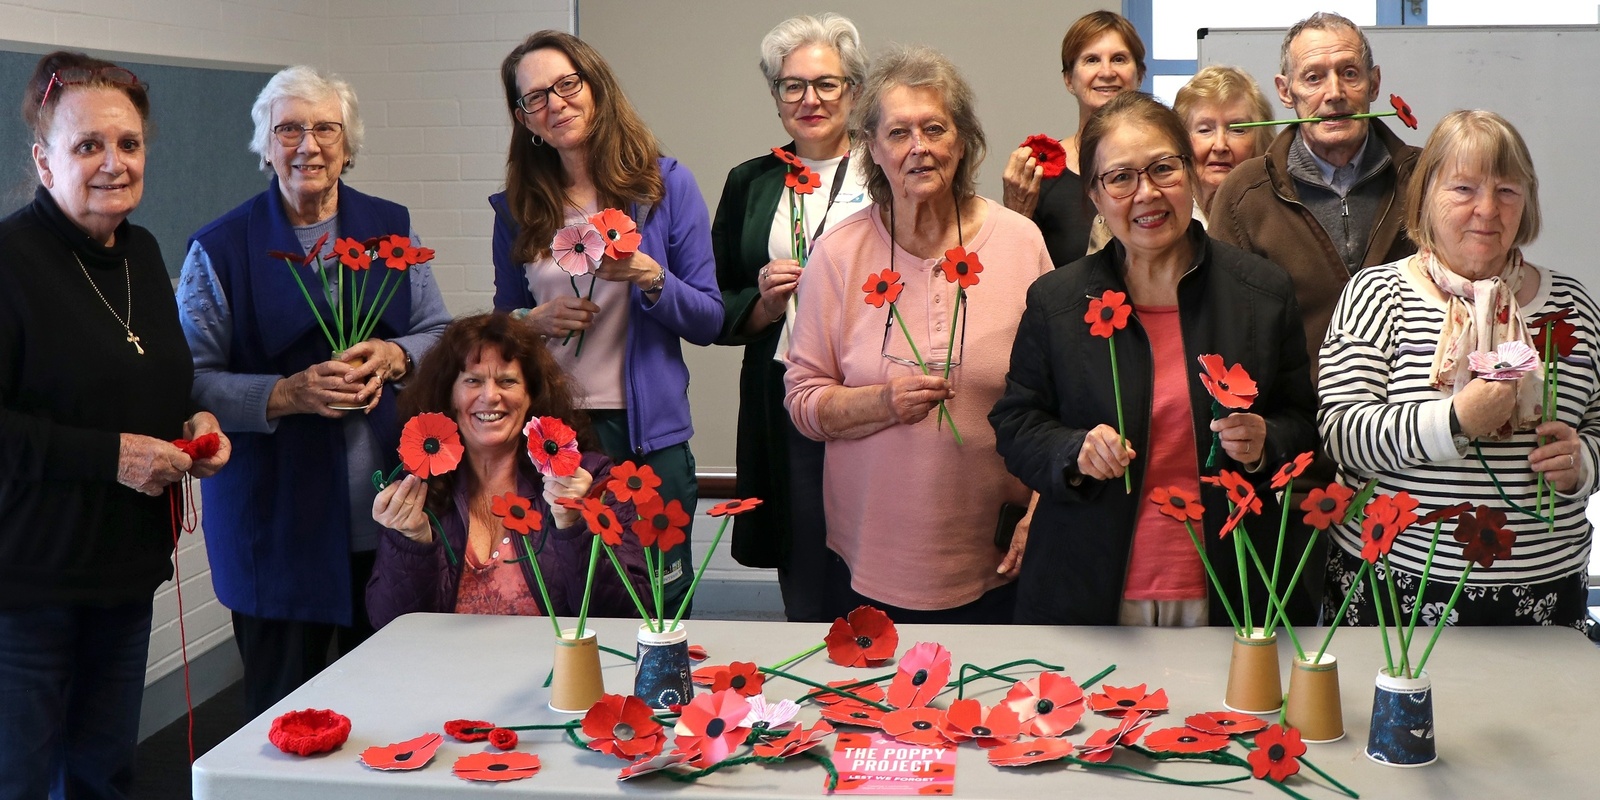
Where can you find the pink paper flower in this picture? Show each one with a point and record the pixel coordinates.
(923, 672)
(1508, 362)
(577, 248)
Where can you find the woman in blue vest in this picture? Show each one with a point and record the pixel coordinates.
(289, 531)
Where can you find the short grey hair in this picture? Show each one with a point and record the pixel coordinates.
(1322, 21)
(917, 67)
(306, 83)
(827, 29)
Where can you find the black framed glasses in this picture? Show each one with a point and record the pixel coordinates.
(565, 86)
(1165, 172)
(77, 76)
(291, 134)
(793, 90)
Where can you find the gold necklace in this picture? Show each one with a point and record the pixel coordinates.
(125, 323)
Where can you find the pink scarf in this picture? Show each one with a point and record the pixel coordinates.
(1480, 315)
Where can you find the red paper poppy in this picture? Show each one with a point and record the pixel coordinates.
(1232, 387)
(1564, 332)
(503, 738)
(743, 677)
(787, 157)
(1485, 536)
(1119, 701)
(865, 638)
(796, 742)
(697, 652)
(1177, 503)
(1291, 470)
(1100, 744)
(1184, 740)
(1032, 751)
(882, 288)
(921, 675)
(495, 767)
(870, 691)
(967, 720)
(734, 508)
(1442, 514)
(430, 444)
(286, 256)
(553, 446)
(1326, 507)
(621, 235)
(657, 763)
(1386, 517)
(1048, 704)
(621, 725)
(850, 712)
(396, 252)
(918, 726)
(714, 725)
(515, 512)
(707, 675)
(632, 483)
(406, 755)
(802, 180)
(316, 250)
(201, 447)
(1403, 111)
(308, 732)
(1047, 153)
(660, 523)
(421, 255)
(602, 521)
(1107, 313)
(961, 267)
(352, 254)
(1224, 723)
(572, 503)
(469, 730)
(1277, 753)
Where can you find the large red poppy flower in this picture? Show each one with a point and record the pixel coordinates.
(352, 254)
(1184, 740)
(1224, 723)
(865, 638)
(308, 732)
(743, 677)
(1031, 751)
(495, 767)
(503, 738)
(850, 712)
(1326, 508)
(515, 512)
(621, 725)
(921, 675)
(967, 720)
(201, 447)
(961, 267)
(1100, 744)
(870, 691)
(798, 740)
(1292, 469)
(621, 235)
(787, 157)
(1277, 753)
(1232, 387)
(802, 180)
(918, 726)
(1240, 492)
(660, 523)
(631, 482)
(396, 251)
(1442, 514)
(1048, 704)
(1047, 153)
(553, 446)
(1564, 332)
(406, 755)
(1179, 504)
(1402, 109)
(1107, 313)
(430, 444)
(882, 288)
(602, 521)
(715, 726)
(657, 763)
(1386, 517)
(1485, 535)
(469, 730)
(733, 508)
(1119, 701)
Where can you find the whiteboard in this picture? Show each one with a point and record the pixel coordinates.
(1541, 78)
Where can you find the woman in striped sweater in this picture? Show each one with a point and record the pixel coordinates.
(1400, 403)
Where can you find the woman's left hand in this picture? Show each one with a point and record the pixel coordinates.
(1561, 459)
(199, 425)
(575, 485)
(638, 269)
(1244, 438)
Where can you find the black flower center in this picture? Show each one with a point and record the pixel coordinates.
(634, 483)
(1034, 753)
(1275, 752)
(1044, 706)
(1187, 739)
(578, 248)
(979, 730)
(403, 757)
(1223, 385)
(498, 767)
(715, 727)
(860, 715)
(1127, 703)
(883, 286)
(961, 268)
(613, 234)
(738, 681)
(1487, 537)
(919, 677)
(1327, 505)
(1178, 502)
(922, 725)
(605, 521)
(518, 511)
(733, 505)
(863, 642)
(551, 448)
(660, 522)
(1377, 532)
(1106, 313)
(430, 445)
(1226, 723)
(622, 731)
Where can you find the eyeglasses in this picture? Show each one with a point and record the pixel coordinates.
(1164, 172)
(899, 351)
(565, 86)
(77, 76)
(793, 90)
(291, 135)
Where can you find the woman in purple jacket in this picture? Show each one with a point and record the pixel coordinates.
(490, 374)
(578, 148)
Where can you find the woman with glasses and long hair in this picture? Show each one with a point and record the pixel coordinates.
(94, 386)
(289, 532)
(889, 367)
(770, 216)
(1100, 554)
(578, 148)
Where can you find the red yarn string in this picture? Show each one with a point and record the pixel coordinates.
(185, 517)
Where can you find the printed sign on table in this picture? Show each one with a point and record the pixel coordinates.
(872, 763)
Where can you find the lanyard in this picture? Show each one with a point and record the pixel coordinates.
(801, 246)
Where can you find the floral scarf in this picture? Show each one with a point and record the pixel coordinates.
(1480, 316)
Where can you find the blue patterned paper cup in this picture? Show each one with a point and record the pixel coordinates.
(662, 676)
(1402, 721)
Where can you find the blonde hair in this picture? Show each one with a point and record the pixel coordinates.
(1221, 85)
(1480, 141)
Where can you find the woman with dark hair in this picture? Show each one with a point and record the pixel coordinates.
(578, 147)
(490, 374)
(94, 385)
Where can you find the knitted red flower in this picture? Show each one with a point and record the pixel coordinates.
(200, 447)
(503, 738)
(462, 730)
(1047, 153)
(308, 732)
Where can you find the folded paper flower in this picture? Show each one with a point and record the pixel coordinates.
(743, 677)
(430, 444)
(1485, 535)
(621, 725)
(1403, 111)
(707, 675)
(1047, 153)
(619, 232)
(201, 447)
(1048, 704)
(495, 767)
(633, 483)
(1232, 387)
(503, 738)
(1032, 751)
(515, 513)
(787, 157)
(918, 725)
(1508, 362)
(1326, 507)
(1184, 739)
(870, 691)
(1225, 723)
(657, 763)
(921, 675)
(802, 180)
(602, 521)
(882, 287)
(1107, 313)
(661, 524)
(462, 730)
(850, 712)
(864, 638)
(765, 716)
(1100, 744)
(308, 732)
(967, 720)
(1277, 753)
(577, 249)
(697, 652)
(1564, 332)
(799, 740)
(733, 508)
(1119, 701)
(396, 252)
(407, 755)
(553, 446)
(1177, 503)
(713, 722)
(961, 267)
(352, 254)
(1292, 469)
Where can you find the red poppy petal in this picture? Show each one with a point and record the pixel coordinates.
(406, 755)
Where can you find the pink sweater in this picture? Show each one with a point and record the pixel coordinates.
(908, 509)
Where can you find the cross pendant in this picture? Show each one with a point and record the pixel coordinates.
(135, 341)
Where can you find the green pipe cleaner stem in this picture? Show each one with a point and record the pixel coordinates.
(576, 292)
(826, 688)
(842, 689)
(950, 350)
(1244, 577)
(960, 684)
(1277, 558)
(1294, 579)
(1151, 775)
(583, 334)
(1495, 479)
(827, 764)
(943, 412)
(1266, 122)
(1422, 585)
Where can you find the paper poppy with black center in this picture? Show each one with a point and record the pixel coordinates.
(714, 725)
(619, 232)
(918, 726)
(430, 444)
(883, 287)
(798, 740)
(787, 157)
(553, 446)
(1031, 751)
(920, 676)
(400, 756)
(352, 254)
(1119, 701)
(621, 725)
(1326, 508)
(308, 732)
(1184, 740)
(1099, 746)
(660, 523)
(1232, 387)
(1292, 469)
(851, 712)
(469, 730)
(869, 691)
(503, 738)
(1225, 723)
(864, 638)
(201, 447)
(1402, 109)
(967, 720)
(495, 767)
(802, 180)
(1240, 492)
(733, 508)
(1048, 704)
(1277, 753)
(1564, 332)
(1047, 153)
(632, 483)
(743, 677)
(1386, 517)
(396, 252)
(1177, 503)
(657, 763)
(515, 513)
(602, 521)
(1485, 536)
(961, 267)
(1107, 313)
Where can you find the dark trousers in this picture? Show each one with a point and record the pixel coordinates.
(71, 684)
(995, 607)
(280, 655)
(674, 465)
(803, 578)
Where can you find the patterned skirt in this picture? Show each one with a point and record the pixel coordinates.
(1559, 602)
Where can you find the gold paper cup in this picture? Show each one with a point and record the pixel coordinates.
(577, 684)
(1313, 704)
(1254, 685)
